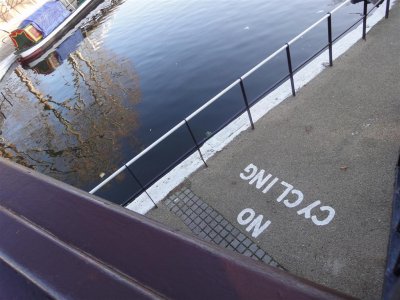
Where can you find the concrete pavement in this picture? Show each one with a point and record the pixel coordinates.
(319, 167)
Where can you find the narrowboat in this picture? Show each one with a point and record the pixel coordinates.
(47, 25)
(50, 60)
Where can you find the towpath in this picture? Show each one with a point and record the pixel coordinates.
(319, 167)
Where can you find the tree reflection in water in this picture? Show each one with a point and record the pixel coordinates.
(79, 133)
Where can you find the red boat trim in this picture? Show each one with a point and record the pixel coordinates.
(32, 56)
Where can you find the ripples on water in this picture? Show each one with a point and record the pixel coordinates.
(141, 67)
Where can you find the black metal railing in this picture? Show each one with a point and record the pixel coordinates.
(129, 189)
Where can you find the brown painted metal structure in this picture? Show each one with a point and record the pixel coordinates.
(60, 242)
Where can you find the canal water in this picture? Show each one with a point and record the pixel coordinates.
(133, 69)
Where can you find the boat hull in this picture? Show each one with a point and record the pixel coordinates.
(34, 52)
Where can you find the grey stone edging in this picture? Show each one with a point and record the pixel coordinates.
(208, 224)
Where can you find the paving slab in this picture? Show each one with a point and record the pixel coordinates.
(312, 185)
(185, 212)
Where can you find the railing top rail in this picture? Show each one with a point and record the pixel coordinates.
(212, 100)
(340, 6)
(155, 143)
(107, 180)
(263, 62)
(309, 29)
(293, 40)
(120, 170)
(216, 97)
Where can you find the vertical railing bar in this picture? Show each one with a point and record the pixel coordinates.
(387, 9)
(330, 39)
(289, 60)
(246, 102)
(195, 142)
(140, 184)
(364, 34)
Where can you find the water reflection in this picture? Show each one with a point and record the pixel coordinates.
(53, 60)
(77, 134)
(76, 112)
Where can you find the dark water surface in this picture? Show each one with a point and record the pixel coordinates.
(135, 68)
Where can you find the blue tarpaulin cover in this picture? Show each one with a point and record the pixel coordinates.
(70, 45)
(47, 18)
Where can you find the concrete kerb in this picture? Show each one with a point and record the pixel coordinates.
(174, 178)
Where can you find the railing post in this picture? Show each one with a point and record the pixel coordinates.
(289, 60)
(330, 39)
(387, 9)
(246, 102)
(195, 142)
(364, 34)
(140, 184)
